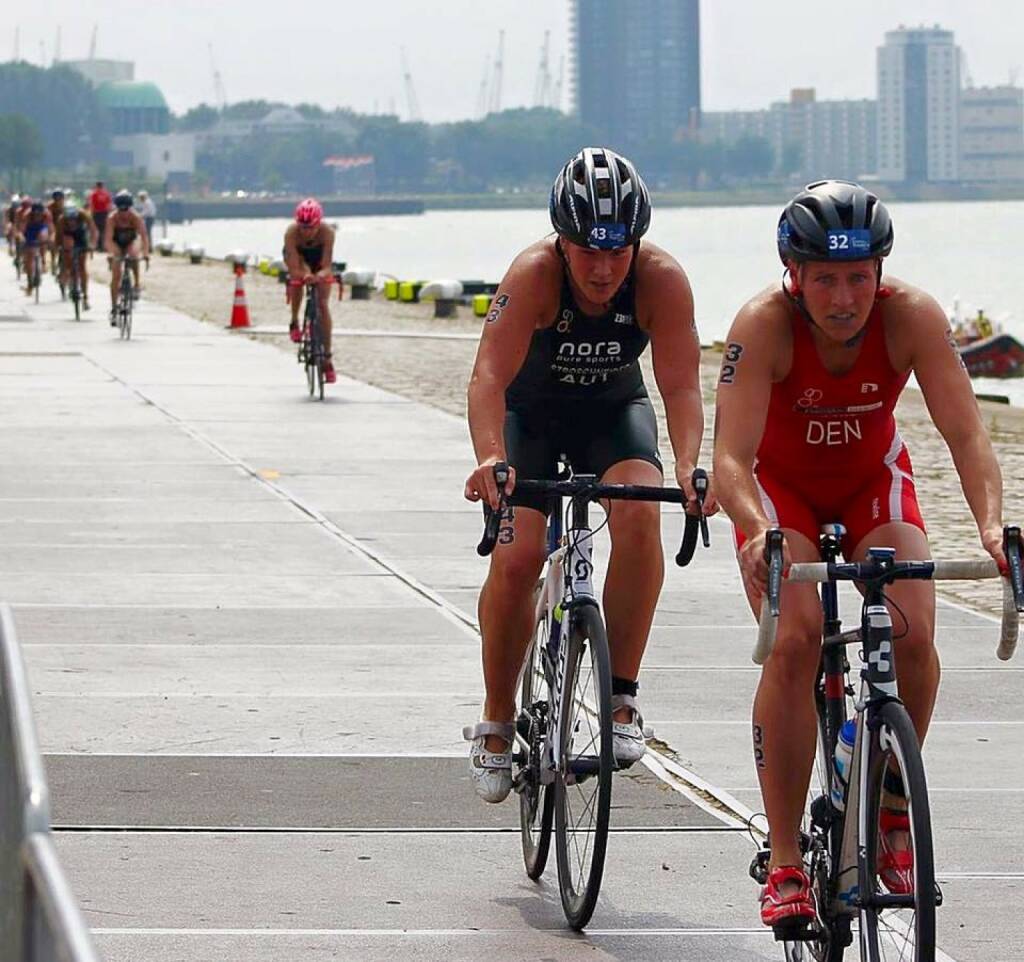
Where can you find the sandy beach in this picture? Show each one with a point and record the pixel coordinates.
(435, 371)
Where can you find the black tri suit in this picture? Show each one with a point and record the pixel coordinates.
(581, 393)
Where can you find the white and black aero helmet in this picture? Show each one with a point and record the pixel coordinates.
(834, 220)
(599, 200)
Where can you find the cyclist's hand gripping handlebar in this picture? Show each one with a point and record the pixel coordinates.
(770, 602)
(492, 517)
(695, 521)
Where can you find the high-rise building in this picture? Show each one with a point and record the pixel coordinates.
(636, 68)
(918, 105)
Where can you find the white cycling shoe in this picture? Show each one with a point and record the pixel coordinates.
(491, 772)
(628, 737)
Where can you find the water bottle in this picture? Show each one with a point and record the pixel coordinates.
(844, 757)
(555, 631)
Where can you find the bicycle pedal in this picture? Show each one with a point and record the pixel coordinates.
(938, 894)
(759, 866)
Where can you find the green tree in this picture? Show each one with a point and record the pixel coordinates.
(750, 157)
(202, 117)
(63, 106)
(21, 147)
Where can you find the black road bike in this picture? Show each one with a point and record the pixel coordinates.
(562, 759)
(842, 843)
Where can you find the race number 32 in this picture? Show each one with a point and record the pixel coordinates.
(730, 359)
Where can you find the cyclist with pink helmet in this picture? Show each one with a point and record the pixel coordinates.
(308, 252)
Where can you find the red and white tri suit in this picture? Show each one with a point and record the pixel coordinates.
(831, 451)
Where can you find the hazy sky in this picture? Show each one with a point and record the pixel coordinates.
(348, 53)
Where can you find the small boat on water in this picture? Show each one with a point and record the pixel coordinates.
(987, 350)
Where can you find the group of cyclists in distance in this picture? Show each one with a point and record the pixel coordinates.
(67, 234)
(804, 436)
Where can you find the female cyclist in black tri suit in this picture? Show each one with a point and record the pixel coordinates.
(557, 372)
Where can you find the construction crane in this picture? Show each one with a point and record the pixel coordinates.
(92, 42)
(410, 91)
(219, 93)
(542, 85)
(559, 84)
(481, 99)
(499, 67)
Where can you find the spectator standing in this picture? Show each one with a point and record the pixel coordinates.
(98, 204)
(146, 209)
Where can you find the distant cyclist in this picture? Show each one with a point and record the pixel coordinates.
(56, 209)
(76, 236)
(125, 237)
(558, 371)
(805, 436)
(34, 229)
(308, 254)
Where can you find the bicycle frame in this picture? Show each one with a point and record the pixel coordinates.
(576, 557)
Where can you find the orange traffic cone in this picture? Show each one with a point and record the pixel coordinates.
(240, 310)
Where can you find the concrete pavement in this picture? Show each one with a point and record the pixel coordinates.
(246, 618)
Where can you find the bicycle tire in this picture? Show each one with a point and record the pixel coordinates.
(76, 298)
(898, 935)
(536, 801)
(584, 764)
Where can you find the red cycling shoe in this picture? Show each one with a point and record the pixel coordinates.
(795, 907)
(895, 868)
(294, 333)
(329, 376)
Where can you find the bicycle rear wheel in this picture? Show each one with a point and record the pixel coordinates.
(894, 928)
(583, 788)
(536, 801)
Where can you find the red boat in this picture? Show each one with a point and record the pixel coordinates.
(998, 355)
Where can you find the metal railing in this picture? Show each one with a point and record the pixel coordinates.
(39, 918)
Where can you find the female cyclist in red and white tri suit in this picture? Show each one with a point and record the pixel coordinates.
(805, 435)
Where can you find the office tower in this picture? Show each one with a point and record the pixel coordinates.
(918, 105)
(636, 69)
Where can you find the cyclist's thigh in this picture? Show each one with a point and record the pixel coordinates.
(910, 600)
(610, 435)
(532, 446)
(520, 551)
(801, 617)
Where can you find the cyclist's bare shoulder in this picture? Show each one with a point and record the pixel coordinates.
(531, 288)
(763, 332)
(913, 320)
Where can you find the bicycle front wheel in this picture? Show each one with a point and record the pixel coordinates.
(583, 788)
(897, 926)
(536, 800)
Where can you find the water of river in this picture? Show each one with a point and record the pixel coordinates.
(952, 250)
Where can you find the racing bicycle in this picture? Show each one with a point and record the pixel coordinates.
(562, 758)
(842, 842)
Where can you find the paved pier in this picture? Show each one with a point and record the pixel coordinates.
(247, 619)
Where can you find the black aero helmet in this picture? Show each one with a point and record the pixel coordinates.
(57, 194)
(123, 200)
(834, 220)
(599, 200)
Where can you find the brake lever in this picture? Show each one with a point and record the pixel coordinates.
(1012, 548)
(695, 521)
(773, 555)
(492, 516)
